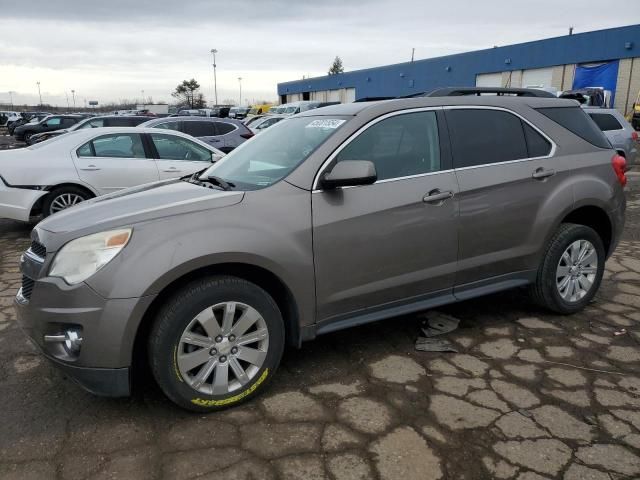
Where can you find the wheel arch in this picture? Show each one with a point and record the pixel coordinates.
(261, 276)
(593, 217)
(37, 206)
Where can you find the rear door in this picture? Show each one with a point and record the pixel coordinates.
(228, 134)
(115, 161)
(391, 243)
(203, 130)
(177, 156)
(506, 172)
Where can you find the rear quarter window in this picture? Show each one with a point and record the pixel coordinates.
(606, 121)
(578, 122)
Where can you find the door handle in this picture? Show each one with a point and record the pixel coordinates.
(542, 173)
(437, 197)
(172, 170)
(90, 168)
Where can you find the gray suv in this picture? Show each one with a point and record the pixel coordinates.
(337, 217)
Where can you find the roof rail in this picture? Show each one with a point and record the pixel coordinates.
(461, 91)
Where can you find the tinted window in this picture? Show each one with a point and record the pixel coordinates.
(606, 121)
(53, 121)
(482, 136)
(119, 145)
(224, 128)
(170, 147)
(98, 122)
(199, 129)
(68, 122)
(577, 121)
(399, 146)
(537, 145)
(169, 126)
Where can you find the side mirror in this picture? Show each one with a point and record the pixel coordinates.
(215, 157)
(350, 173)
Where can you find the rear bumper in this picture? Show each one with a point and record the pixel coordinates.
(16, 203)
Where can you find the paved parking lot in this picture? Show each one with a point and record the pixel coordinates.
(530, 396)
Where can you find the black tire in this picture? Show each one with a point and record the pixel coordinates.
(60, 191)
(177, 313)
(545, 291)
(27, 136)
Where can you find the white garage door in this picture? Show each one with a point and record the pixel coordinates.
(539, 77)
(489, 80)
(350, 95)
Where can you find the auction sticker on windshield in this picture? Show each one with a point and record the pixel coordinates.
(326, 123)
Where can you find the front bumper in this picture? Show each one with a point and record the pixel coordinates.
(16, 203)
(107, 326)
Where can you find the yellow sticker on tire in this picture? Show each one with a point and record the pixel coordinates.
(236, 398)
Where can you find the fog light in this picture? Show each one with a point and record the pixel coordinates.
(71, 340)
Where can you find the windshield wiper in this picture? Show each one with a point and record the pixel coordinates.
(220, 182)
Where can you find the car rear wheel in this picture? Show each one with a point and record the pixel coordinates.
(27, 136)
(571, 271)
(216, 343)
(62, 198)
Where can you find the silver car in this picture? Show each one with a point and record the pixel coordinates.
(330, 219)
(620, 133)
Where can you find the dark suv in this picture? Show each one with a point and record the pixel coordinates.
(336, 217)
(92, 122)
(47, 124)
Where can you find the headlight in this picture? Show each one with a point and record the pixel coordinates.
(84, 256)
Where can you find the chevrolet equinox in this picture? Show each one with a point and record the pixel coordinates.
(340, 216)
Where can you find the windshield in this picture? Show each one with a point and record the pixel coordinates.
(272, 155)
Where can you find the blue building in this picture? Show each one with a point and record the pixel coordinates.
(609, 58)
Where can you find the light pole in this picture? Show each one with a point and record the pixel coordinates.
(73, 94)
(240, 83)
(67, 95)
(39, 94)
(215, 80)
(11, 92)
(143, 99)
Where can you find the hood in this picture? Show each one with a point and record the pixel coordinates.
(139, 204)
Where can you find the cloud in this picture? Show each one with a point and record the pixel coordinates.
(112, 50)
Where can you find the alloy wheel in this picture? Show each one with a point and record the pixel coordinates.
(576, 271)
(64, 201)
(222, 348)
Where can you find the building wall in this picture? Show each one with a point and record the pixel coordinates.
(560, 53)
(628, 84)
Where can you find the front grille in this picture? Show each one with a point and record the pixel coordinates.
(27, 287)
(39, 249)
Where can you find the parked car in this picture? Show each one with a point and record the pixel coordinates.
(620, 133)
(333, 218)
(239, 112)
(265, 122)
(250, 120)
(26, 117)
(92, 122)
(259, 109)
(302, 106)
(52, 176)
(7, 117)
(47, 124)
(223, 133)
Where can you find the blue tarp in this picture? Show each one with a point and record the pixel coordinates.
(601, 75)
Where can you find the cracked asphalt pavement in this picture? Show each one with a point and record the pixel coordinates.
(530, 396)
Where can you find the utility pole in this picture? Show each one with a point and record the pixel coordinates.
(240, 83)
(143, 102)
(413, 51)
(39, 94)
(73, 94)
(11, 92)
(215, 80)
(67, 95)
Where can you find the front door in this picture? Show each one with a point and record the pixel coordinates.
(393, 242)
(178, 156)
(114, 161)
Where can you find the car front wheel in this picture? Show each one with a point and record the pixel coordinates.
(216, 343)
(571, 271)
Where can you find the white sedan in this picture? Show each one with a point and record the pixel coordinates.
(63, 171)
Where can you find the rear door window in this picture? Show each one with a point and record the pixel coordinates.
(199, 129)
(117, 145)
(578, 122)
(399, 146)
(484, 136)
(169, 126)
(606, 121)
(171, 147)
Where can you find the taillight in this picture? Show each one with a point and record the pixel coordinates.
(247, 135)
(619, 165)
(634, 135)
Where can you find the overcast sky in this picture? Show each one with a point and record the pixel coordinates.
(108, 50)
